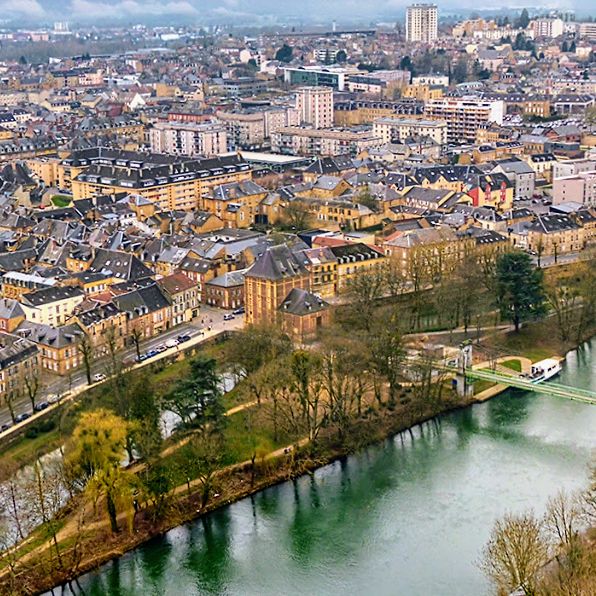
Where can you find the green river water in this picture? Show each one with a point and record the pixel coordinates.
(406, 517)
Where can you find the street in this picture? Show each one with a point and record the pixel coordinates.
(54, 385)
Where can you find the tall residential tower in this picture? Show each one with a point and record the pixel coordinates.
(422, 22)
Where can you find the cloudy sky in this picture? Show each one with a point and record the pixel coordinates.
(223, 10)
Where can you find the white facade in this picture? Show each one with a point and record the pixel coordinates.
(548, 27)
(421, 23)
(397, 130)
(188, 138)
(464, 115)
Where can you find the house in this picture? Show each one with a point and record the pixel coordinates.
(103, 325)
(19, 363)
(303, 314)
(183, 294)
(520, 174)
(226, 291)
(354, 259)
(148, 311)
(59, 347)
(11, 315)
(51, 306)
(555, 234)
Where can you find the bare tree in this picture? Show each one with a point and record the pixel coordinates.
(32, 387)
(85, 349)
(515, 553)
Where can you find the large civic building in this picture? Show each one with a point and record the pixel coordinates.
(421, 22)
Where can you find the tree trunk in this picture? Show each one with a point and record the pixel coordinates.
(112, 513)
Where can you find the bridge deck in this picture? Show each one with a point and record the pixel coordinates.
(548, 388)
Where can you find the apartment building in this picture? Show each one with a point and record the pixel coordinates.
(188, 138)
(308, 141)
(250, 128)
(397, 130)
(548, 27)
(171, 182)
(579, 188)
(464, 115)
(315, 106)
(422, 23)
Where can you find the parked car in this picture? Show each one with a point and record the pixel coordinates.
(182, 338)
(54, 398)
(161, 348)
(151, 353)
(22, 417)
(239, 311)
(42, 405)
(5, 426)
(171, 343)
(228, 317)
(99, 377)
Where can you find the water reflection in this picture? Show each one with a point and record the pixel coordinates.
(408, 516)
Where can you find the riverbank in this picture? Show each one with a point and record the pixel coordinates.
(233, 484)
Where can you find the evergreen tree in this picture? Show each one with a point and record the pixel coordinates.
(285, 53)
(520, 288)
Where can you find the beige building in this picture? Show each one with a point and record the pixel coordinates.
(315, 106)
(188, 138)
(464, 115)
(397, 130)
(51, 306)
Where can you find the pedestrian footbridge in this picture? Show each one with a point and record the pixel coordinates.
(547, 388)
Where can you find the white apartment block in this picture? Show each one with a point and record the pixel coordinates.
(315, 106)
(464, 115)
(309, 141)
(421, 23)
(188, 138)
(587, 30)
(249, 129)
(397, 130)
(548, 27)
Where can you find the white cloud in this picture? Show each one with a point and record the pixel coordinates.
(28, 8)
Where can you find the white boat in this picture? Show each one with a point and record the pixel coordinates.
(544, 370)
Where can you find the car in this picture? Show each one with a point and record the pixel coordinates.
(42, 405)
(142, 358)
(171, 343)
(228, 317)
(239, 311)
(22, 417)
(182, 338)
(5, 426)
(151, 353)
(161, 348)
(54, 398)
(99, 377)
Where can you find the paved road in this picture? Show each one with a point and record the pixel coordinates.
(58, 385)
(570, 257)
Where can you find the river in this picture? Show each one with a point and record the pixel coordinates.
(407, 517)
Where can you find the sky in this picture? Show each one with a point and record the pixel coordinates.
(233, 10)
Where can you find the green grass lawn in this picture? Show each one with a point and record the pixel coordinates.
(61, 200)
(513, 365)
